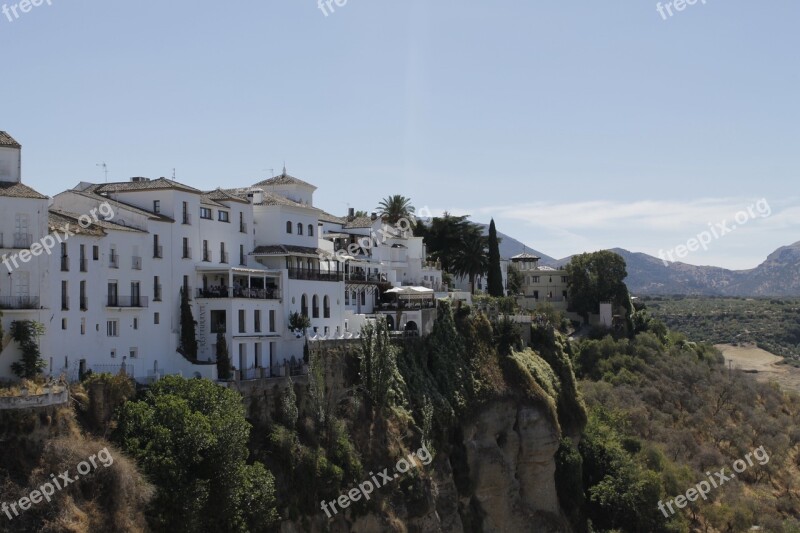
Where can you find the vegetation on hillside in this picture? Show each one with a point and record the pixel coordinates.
(772, 324)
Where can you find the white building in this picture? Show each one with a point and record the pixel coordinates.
(540, 284)
(109, 295)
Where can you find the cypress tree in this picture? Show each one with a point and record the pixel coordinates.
(495, 276)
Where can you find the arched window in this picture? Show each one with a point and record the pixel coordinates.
(310, 230)
(304, 305)
(288, 226)
(326, 307)
(315, 306)
(299, 228)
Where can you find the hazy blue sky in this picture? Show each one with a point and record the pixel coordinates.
(577, 125)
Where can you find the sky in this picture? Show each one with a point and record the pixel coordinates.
(577, 125)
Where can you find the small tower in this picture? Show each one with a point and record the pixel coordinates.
(10, 159)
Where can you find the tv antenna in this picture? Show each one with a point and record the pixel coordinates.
(105, 169)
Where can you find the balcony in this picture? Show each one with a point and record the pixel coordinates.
(187, 219)
(64, 303)
(250, 293)
(64, 263)
(136, 263)
(113, 261)
(224, 258)
(158, 252)
(157, 293)
(314, 275)
(19, 302)
(83, 264)
(187, 253)
(23, 240)
(127, 301)
(207, 256)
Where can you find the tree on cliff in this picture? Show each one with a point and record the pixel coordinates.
(495, 275)
(26, 333)
(190, 438)
(223, 358)
(594, 278)
(188, 332)
(379, 374)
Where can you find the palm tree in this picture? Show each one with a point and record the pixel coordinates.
(394, 208)
(471, 259)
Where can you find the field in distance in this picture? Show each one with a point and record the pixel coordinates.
(769, 324)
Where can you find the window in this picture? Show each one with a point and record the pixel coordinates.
(242, 260)
(224, 216)
(158, 251)
(310, 230)
(206, 255)
(315, 306)
(223, 257)
(186, 218)
(112, 328)
(218, 320)
(304, 305)
(156, 318)
(535, 295)
(564, 279)
(363, 298)
(186, 250)
(135, 323)
(346, 297)
(156, 289)
(288, 227)
(133, 353)
(65, 296)
(257, 320)
(326, 307)
(535, 279)
(156, 206)
(242, 319)
(84, 303)
(299, 228)
(95, 253)
(83, 326)
(113, 354)
(64, 323)
(206, 213)
(272, 320)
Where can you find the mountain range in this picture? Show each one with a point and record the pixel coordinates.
(777, 276)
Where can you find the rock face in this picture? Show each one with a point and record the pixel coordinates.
(510, 452)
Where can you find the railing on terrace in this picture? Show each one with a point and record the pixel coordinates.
(19, 302)
(314, 275)
(127, 301)
(226, 292)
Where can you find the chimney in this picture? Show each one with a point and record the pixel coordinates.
(351, 213)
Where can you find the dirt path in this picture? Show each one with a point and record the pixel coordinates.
(763, 364)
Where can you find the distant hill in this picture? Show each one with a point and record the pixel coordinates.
(509, 246)
(778, 275)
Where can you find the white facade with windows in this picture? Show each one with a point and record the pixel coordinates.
(110, 295)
